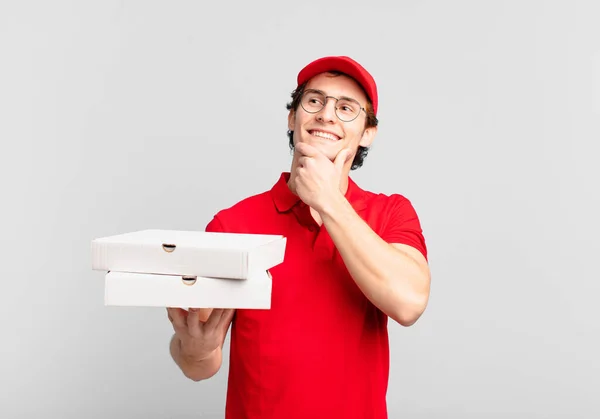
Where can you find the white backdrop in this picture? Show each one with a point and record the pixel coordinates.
(124, 115)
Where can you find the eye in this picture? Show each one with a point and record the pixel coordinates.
(347, 107)
(315, 100)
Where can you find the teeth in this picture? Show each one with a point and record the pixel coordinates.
(324, 135)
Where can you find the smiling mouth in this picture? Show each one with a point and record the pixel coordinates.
(323, 134)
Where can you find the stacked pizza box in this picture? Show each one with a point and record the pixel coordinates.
(171, 268)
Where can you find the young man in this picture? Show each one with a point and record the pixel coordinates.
(353, 259)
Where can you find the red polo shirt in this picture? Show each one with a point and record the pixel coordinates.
(321, 351)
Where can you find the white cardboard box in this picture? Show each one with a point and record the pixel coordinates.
(172, 252)
(150, 290)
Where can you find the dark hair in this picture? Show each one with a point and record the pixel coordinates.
(371, 120)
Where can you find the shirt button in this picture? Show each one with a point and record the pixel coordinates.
(311, 228)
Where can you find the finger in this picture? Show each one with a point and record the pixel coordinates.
(213, 319)
(306, 150)
(302, 161)
(169, 315)
(204, 314)
(300, 173)
(177, 317)
(193, 323)
(342, 157)
(307, 162)
(300, 176)
(226, 318)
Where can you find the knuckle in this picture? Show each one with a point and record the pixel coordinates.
(179, 330)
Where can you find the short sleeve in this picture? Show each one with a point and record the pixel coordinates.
(403, 225)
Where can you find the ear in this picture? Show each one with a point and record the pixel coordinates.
(368, 136)
(291, 120)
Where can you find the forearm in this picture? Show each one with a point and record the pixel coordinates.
(390, 278)
(192, 367)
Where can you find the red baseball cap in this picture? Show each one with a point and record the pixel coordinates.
(346, 65)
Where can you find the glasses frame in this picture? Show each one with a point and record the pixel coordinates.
(327, 97)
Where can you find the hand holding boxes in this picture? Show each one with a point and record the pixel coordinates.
(170, 268)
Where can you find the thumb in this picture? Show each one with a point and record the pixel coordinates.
(341, 159)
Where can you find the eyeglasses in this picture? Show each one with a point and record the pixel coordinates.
(346, 109)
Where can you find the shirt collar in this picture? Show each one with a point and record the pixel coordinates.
(284, 199)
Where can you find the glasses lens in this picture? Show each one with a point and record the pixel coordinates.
(313, 101)
(347, 110)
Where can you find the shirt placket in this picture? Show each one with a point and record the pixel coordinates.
(320, 241)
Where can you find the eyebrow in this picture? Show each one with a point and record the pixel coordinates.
(325, 94)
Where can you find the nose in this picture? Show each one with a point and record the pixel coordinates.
(327, 114)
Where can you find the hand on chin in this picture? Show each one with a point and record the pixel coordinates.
(329, 148)
(317, 177)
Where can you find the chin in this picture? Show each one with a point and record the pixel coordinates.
(326, 147)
